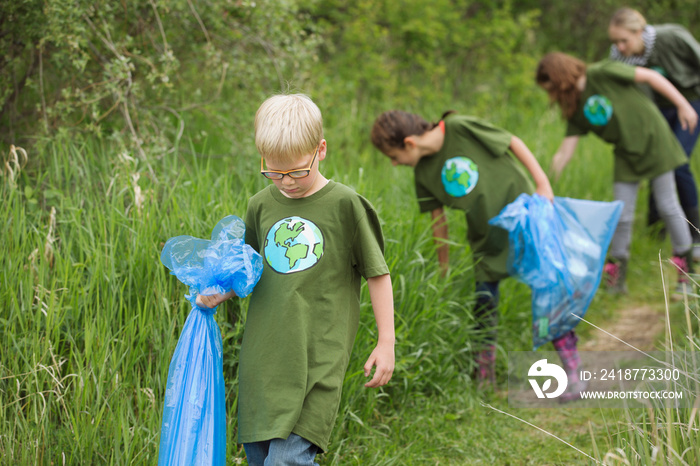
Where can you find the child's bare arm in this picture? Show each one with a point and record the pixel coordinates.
(526, 157)
(686, 114)
(213, 300)
(563, 155)
(382, 358)
(440, 235)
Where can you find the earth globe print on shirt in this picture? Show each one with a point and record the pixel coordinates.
(598, 110)
(459, 176)
(293, 244)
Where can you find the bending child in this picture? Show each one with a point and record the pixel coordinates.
(465, 163)
(318, 239)
(604, 98)
(672, 51)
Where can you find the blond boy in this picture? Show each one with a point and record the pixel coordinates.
(318, 239)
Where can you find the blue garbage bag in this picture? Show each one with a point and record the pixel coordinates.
(558, 249)
(193, 430)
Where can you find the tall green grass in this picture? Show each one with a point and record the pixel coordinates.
(90, 317)
(655, 434)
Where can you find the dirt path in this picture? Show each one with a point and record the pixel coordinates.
(638, 326)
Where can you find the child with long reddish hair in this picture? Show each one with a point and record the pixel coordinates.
(603, 98)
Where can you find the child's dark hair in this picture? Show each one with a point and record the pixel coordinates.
(558, 73)
(391, 128)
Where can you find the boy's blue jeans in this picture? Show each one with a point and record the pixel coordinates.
(293, 451)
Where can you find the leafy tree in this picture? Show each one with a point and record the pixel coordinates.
(130, 69)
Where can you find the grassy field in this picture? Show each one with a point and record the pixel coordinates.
(90, 317)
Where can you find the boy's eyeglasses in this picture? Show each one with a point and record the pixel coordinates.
(295, 174)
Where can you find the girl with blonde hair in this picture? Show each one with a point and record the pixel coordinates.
(672, 51)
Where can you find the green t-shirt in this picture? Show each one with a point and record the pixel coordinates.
(676, 55)
(474, 171)
(304, 311)
(615, 109)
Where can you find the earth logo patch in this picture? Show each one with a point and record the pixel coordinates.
(293, 244)
(598, 110)
(459, 176)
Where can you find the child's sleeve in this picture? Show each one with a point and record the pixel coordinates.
(616, 70)
(688, 51)
(251, 224)
(572, 129)
(426, 201)
(495, 140)
(368, 243)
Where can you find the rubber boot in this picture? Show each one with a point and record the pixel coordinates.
(486, 368)
(571, 362)
(615, 276)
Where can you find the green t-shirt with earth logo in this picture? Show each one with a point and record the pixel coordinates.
(304, 312)
(615, 109)
(474, 171)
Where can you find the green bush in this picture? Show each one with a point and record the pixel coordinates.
(129, 70)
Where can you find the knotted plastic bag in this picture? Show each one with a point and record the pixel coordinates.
(558, 249)
(193, 431)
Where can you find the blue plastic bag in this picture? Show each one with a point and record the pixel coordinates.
(558, 249)
(193, 431)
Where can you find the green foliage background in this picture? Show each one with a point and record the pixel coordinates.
(137, 121)
(136, 72)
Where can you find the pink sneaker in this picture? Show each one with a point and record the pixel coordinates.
(486, 369)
